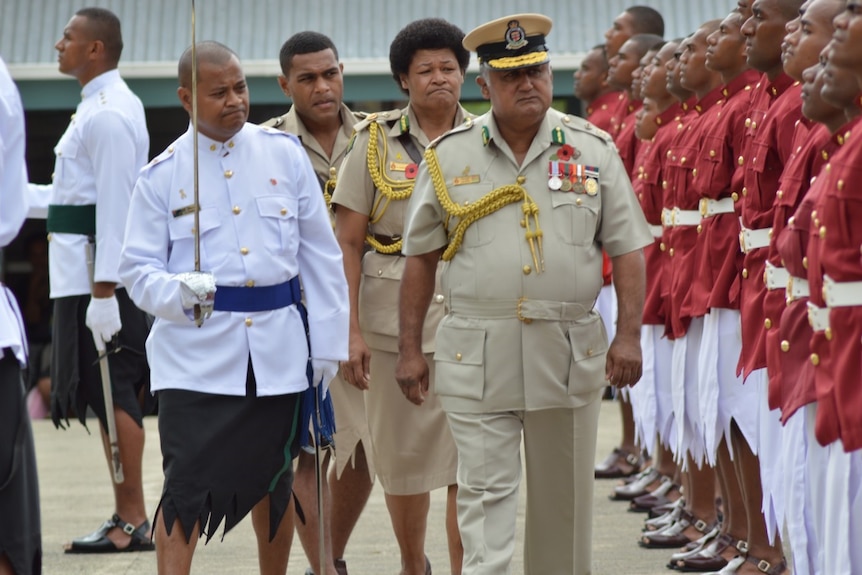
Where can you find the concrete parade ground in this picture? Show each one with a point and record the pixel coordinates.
(76, 498)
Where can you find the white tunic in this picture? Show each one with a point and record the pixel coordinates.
(13, 204)
(262, 221)
(97, 162)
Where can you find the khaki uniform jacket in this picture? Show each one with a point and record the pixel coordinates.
(292, 123)
(381, 274)
(515, 339)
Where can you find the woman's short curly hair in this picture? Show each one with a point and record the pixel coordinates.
(425, 34)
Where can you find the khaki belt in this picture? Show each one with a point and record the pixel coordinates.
(797, 288)
(775, 277)
(750, 240)
(841, 294)
(710, 207)
(818, 317)
(524, 309)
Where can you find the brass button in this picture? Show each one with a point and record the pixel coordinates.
(791, 220)
(662, 246)
(458, 356)
(439, 298)
(379, 273)
(579, 201)
(284, 211)
(466, 202)
(840, 185)
(699, 228)
(735, 197)
(523, 223)
(822, 232)
(230, 144)
(527, 270)
(740, 160)
(694, 173)
(212, 147)
(815, 359)
(236, 210)
(670, 253)
(590, 352)
(243, 251)
(228, 174)
(744, 273)
(248, 321)
(521, 180)
(779, 194)
(785, 346)
(744, 191)
(249, 283)
(49, 237)
(754, 125)
(805, 262)
(748, 122)
(664, 185)
(828, 334)
(682, 160)
(767, 323)
(712, 153)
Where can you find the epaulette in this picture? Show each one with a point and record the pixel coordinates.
(581, 125)
(274, 122)
(166, 154)
(464, 126)
(379, 117)
(277, 132)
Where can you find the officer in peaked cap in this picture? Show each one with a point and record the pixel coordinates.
(520, 202)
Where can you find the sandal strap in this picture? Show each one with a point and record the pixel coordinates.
(139, 532)
(765, 566)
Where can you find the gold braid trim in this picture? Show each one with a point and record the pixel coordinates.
(486, 205)
(389, 188)
(329, 187)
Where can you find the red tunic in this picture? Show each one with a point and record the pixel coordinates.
(840, 213)
(805, 162)
(601, 110)
(797, 250)
(716, 280)
(619, 110)
(648, 188)
(626, 141)
(668, 202)
(680, 169)
(775, 108)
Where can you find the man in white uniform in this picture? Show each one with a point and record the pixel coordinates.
(229, 389)
(97, 162)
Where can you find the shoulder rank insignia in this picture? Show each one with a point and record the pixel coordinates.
(557, 136)
(404, 121)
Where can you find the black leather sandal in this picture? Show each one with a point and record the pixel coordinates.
(98, 542)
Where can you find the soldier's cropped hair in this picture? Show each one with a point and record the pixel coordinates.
(646, 20)
(603, 50)
(657, 46)
(644, 42)
(208, 51)
(306, 42)
(425, 34)
(104, 26)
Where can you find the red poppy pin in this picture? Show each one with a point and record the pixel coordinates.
(410, 171)
(565, 152)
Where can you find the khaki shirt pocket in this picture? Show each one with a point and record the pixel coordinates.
(576, 217)
(378, 295)
(589, 343)
(460, 362)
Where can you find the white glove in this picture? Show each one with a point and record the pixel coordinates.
(197, 288)
(322, 372)
(103, 318)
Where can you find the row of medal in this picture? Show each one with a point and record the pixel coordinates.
(575, 178)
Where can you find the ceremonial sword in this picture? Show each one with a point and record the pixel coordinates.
(107, 390)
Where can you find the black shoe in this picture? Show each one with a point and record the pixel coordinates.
(98, 542)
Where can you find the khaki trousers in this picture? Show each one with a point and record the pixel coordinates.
(560, 451)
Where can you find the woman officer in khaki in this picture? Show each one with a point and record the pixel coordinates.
(413, 447)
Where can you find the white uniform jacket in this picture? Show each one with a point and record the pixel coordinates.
(262, 222)
(13, 204)
(97, 162)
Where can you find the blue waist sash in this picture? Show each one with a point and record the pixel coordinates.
(233, 298)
